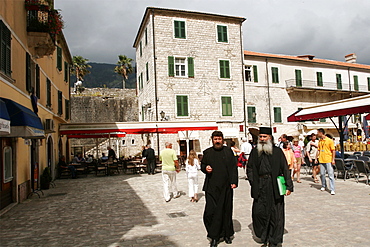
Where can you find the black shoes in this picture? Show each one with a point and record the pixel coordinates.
(228, 240)
(214, 243)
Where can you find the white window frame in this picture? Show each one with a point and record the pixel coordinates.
(133, 142)
(124, 142)
(227, 34)
(232, 105)
(8, 166)
(250, 72)
(185, 64)
(173, 28)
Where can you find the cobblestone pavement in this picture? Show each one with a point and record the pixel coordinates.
(129, 210)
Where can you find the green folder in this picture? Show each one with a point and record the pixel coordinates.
(281, 185)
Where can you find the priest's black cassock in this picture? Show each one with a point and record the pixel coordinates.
(219, 194)
(268, 213)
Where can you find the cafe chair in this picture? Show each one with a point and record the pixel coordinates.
(362, 168)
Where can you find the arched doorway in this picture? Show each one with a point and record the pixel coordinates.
(49, 156)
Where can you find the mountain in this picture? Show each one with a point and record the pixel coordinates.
(103, 75)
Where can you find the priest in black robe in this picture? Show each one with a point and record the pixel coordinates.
(219, 165)
(265, 164)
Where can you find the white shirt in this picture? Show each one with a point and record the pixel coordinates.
(192, 170)
(246, 148)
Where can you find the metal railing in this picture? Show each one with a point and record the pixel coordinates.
(330, 86)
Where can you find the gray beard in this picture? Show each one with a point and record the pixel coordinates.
(264, 147)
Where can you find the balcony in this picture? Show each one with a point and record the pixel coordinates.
(293, 85)
(43, 24)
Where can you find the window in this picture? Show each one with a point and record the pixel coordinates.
(133, 143)
(67, 109)
(142, 78)
(224, 69)
(182, 105)
(275, 75)
(48, 93)
(251, 111)
(66, 71)
(59, 58)
(7, 161)
(322, 120)
(247, 73)
(319, 79)
(147, 71)
(339, 81)
(5, 49)
(298, 77)
(355, 82)
(60, 103)
(141, 48)
(37, 91)
(180, 66)
(277, 115)
(368, 84)
(140, 82)
(221, 33)
(255, 73)
(226, 106)
(28, 73)
(146, 36)
(179, 27)
(124, 142)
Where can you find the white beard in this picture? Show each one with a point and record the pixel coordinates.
(264, 147)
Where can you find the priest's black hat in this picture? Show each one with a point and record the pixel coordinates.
(266, 130)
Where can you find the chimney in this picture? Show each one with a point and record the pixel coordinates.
(307, 57)
(351, 58)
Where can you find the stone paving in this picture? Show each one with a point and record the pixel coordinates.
(129, 210)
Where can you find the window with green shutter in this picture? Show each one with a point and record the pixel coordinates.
(221, 33)
(146, 36)
(355, 82)
(37, 86)
(251, 111)
(139, 80)
(59, 58)
(171, 66)
(66, 71)
(67, 109)
(319, 80)
(298, 78)
(368, 84)
(226, 106)
(191, 67)
(277, 115)
(28, 73)
(147, 71)
(182, 105)
(255, 73)
(141, 48)
(60, 103)
(5, 49)
(224, 69)
(275, 74)
(339, 81)
(179, 27)
(48, 93)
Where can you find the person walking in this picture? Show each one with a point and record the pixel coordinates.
(326, 159)
(289, 155)
(170, 166)
(192, 166)
(311, 150)
(150, 159)
(219, 165)
(297, 150)
(245, 150)
(265, 164)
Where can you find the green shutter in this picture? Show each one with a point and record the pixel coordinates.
(60, 103)
(66, 71)
(37, 89)
(368, 84)
(190, 67)
(226, 106)
(28, 73)
(179, 27)
(255, 73)
(224, 69)
(339, 81)
(66, 106)
(298, 78)
(147, 71)
(5, 49)
(322, 120)
(221, 33)
(251, 110)
(59, 58)
(48, 93)
(171, 66)
(275, 75)
(277, 114)
(141, 48)
(146, 36)
(319, 79)
(182, 105)
(355, 81)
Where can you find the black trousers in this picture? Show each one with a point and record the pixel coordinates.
(150, 166)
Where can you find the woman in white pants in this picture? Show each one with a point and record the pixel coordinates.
(192, 167)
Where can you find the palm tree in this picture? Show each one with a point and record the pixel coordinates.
(124, 67)
(80, 67)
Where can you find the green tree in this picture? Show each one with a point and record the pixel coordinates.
(124, 67)
(80, 67)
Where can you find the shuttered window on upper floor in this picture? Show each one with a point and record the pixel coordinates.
(319, 80)
(59, 58)
(355, 82)
(227, 109)
(222, 33)
(277, 115)
(255, 73)
(179, 29)
(5, 49)
(224, 68)
(339, 81)
(251, 111)
(182, 105)
(180, 66)
(275, 75)
(48, 92)
(298, 77)
(60, 103)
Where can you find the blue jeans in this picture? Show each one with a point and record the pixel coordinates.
(327, 167)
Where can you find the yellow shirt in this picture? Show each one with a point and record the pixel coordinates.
(168, 156)
(326, 148)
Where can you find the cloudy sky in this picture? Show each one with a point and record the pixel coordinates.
(100, 30)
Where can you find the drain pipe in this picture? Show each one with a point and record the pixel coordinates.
(268, 92)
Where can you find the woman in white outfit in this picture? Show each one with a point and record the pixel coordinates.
(192, 167)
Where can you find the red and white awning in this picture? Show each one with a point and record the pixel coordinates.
(357, 105)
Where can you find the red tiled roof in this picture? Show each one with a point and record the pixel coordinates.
(314, 60)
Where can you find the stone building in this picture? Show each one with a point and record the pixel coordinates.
(34, 58)
(278, 85)
(190, 68)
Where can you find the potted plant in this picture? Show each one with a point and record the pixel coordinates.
(45, 179)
